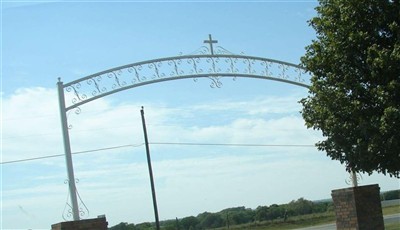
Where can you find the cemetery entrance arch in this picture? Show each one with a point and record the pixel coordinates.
(213, 63)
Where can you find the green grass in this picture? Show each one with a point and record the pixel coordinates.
(394, 226)
(291, 222)
(308, 221)
(391, 210)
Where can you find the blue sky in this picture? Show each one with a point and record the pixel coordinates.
(42, 41)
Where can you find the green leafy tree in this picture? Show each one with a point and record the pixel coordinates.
(355, 87)
(300, 207)
(272, 212)
(320, 207)
(212, 220)
(169, 224)
(189, 222)
(241, 217)
(261, 213)
(276, 211)
(123, 226)
(145, 226)
(391, 195)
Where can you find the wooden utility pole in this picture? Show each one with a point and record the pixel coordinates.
(153, 190)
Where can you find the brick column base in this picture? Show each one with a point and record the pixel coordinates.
(358, 208)
(88, 224)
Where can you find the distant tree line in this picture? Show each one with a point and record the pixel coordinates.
(235, 216)
(243, 215)
(391, 195)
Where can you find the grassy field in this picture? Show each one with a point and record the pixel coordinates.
(391, 210)
(308, 221)
(291, 223)
(395, 226)
(388, 211)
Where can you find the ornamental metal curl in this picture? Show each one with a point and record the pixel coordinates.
(67, 213)
(214, 67)
(357, 177)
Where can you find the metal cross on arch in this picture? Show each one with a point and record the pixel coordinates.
(210, 42)
(213, 64)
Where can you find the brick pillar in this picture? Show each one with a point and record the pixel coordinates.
(99, 223)
(358, 208)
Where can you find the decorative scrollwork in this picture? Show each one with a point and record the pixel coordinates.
(203, 50)
(212, 69)
(137, 77)
(95, 81)
(267, 65)
(215, 82)
(75, 89)
(83, 209)
(232, 62)
(67, 213)
(176, 71)
(284, 68)
(156, 66)
(115, 75)
(250, 65)
(353, 177)
(300, 73)
(221, 63)
(77, 110)
(195, 70)
(222, 50)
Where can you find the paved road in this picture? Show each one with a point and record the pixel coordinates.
(321, 227)
(394, 218)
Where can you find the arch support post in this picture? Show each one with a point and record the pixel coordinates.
(67, 150)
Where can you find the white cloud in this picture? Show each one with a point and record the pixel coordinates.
(258, 106)
(189, 179)
(30, 125)
(31, 118)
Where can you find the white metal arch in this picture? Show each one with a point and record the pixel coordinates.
(215, 65)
